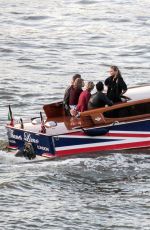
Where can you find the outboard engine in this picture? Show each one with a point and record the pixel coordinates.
(27, 152)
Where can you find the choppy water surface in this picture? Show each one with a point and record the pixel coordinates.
(42, 44)
(107, 192)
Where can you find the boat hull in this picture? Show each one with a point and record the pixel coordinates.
(124, 125)
(120, 136)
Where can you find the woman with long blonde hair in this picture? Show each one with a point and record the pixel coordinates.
(116, 86)
(84, 97)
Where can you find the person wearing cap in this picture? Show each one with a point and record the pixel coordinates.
(99, 99)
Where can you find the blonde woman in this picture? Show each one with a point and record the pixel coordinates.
(84, 97)
(116, 86)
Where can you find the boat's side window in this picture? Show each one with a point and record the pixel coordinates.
(129, 111)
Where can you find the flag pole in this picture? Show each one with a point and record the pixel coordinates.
(10, 117)
(21, 123)
(43, 129)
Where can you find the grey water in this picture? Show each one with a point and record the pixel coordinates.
(42, 44)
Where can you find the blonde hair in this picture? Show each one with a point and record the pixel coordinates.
(90, 85)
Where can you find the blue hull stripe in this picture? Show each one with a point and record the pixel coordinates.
(143, 126)
(61, 142)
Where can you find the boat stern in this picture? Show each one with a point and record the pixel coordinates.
(41, 143)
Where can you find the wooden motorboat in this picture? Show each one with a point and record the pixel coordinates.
(122, 126)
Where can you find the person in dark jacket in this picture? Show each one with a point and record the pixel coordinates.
(99, 99)
(75, 91)
(116, 86)
(67, 94)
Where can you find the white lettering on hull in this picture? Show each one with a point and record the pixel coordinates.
(43, 148)
(28, 138)
(14, 136)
